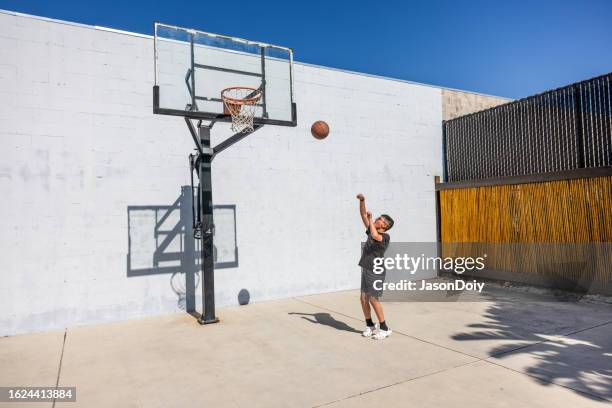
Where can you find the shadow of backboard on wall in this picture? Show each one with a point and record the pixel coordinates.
(160, 238)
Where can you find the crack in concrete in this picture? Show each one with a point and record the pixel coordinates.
(393, 385)
(548, 341)
(59, 368)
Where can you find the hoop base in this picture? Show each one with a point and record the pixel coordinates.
(210, 321)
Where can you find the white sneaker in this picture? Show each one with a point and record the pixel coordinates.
(369, 331)
(382, 334)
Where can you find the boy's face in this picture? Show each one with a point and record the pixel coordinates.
(380, 223)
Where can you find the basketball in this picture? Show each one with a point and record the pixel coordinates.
(319, 129)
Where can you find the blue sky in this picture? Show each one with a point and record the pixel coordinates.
(507, 48)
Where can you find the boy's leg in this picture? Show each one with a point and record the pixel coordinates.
(378, 309)
(365, 306)
(365, 299)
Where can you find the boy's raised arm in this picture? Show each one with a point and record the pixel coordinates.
(362, 210)
(372, 228)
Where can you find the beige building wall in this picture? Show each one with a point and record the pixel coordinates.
(458, 103)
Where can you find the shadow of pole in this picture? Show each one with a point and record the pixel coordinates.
(188, 260)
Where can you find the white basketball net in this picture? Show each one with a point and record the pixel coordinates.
(241, 102)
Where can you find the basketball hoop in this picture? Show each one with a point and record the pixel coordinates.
(241, 102)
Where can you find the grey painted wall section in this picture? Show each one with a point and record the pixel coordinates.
(87, 172)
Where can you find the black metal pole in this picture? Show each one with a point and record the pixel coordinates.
(208, 228)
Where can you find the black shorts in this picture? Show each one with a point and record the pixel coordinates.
(367, 282)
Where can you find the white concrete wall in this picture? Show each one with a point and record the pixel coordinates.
(80, 146)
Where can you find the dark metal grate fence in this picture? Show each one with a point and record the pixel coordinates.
(562, 129)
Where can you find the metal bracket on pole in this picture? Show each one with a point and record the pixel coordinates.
(194, 134)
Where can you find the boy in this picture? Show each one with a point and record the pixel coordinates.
(375, 247)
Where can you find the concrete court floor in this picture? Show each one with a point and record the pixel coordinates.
(507, 351)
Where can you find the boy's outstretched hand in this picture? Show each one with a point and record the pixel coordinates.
(360, 197)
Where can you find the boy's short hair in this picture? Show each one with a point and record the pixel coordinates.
(388, 220)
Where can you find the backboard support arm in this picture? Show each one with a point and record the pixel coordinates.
(233, 140)
(194, 135)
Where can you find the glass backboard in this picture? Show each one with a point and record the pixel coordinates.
(193, 67)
